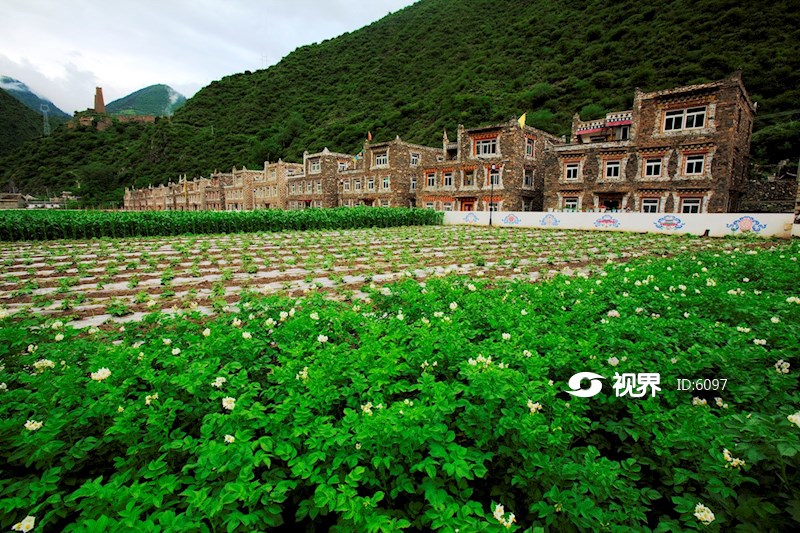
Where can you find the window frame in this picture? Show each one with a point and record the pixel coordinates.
(572, 167)
(696, 201)
(652, 161)
(694, 160)
(614, 165)
(414, 159)
(648, 202)
(430, 179)
(566, 202)
(382, 159)
(486, 147)
(314, 166)
(447, 177)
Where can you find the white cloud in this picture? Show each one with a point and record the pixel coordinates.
(63, 50)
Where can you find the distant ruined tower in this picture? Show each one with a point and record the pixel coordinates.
(99, 103)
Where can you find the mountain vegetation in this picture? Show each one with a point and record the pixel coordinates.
(19, 124)
(440, 63)
(24, 94)
(156, 100)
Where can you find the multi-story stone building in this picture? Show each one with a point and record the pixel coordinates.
(499, 167)
(679, 150)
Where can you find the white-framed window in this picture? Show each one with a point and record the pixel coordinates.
(309, 186)
(413, 186)
(385, 183)
(529, 146)
(652, 168)
(486, 147)
(571, 171)
(570, 203)
(448, 179)
(494, 206)
(385, 203)
(315, 166)
(694, 163)
(342, 166)
(381, 159)
(613, 169)
(371, 184)
(651, 205)
(623, 133)
(291, 188)
(357, 185)
(448, 206)
(272, 173)
(691, 205)
(431, 179)
(346, 185)
(414, 159)
(685, 119)
(469, 178)
(319, 186)
(527, 179)
(494, 177)
(429, 205)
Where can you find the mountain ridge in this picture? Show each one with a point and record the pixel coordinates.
(157, 100)
(32, 100)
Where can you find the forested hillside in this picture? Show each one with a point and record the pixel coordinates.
(18, 123)
(158, 100)
(439, 63)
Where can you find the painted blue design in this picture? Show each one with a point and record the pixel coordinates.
(745, 224)
(471, 217)
(606, 221)
(549, 220)
(511, 218)
(669, 222)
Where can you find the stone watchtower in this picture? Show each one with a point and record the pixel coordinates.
(99, 103)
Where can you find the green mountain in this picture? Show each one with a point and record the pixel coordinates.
(20, 124)
(439, 63)
(24, 94)
(157, 100)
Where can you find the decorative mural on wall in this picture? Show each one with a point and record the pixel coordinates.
(511, 218)
(549, 220)
(669, 222)
(606, 221)
(471, 218)
(745, 224)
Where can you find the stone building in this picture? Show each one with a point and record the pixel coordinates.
(498, 167)
(681, 150)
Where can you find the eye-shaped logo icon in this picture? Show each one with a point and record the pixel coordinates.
(575, 384)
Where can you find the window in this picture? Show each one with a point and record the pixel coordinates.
(448, 179)
(346, 185)
(623, 133)
(694, 163)
(309, 186)
(384, 203)
(413, 186)
(381, 159)
(272, 173)
(371, 184)
(493, 206)
(357, 185)
(651, 205)
(448, 206)
(319, 186)
(414, 160)
(431, 179)
(680, 119)
(342, 166)
(612, 169)
(494, 177)
(486, 147)
(469, 178)
(571, 171)
(428, 205)
(529, 147)
(691, 205)
(385, 183)
(571, 203)
(527, 180)
(315, 166)
(291, 188)
(652, 168)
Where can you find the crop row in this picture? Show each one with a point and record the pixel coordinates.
(52, 225)
(435, 405)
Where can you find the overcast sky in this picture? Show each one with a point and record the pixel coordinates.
(63, 49)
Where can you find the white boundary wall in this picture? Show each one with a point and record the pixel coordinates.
(717, 224)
